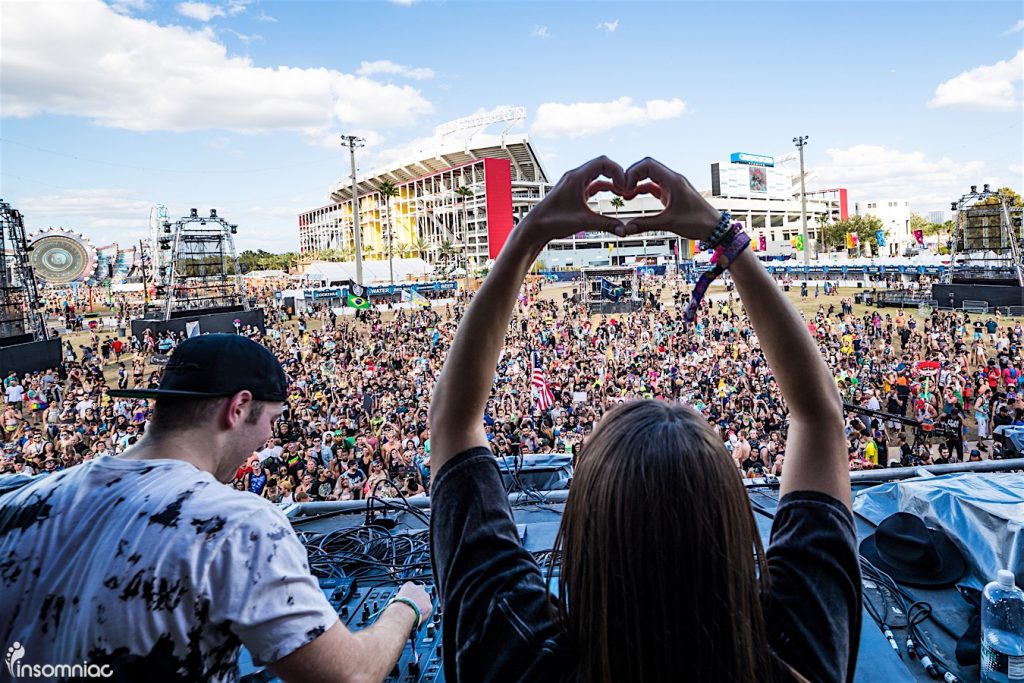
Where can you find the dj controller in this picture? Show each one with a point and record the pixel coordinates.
(361, 558)
(357, 608)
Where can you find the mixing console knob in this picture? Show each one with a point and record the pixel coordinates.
(431, 630)
(344, 611)
(366, 613)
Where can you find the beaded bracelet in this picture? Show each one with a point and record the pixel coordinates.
(738, 241)
(719, 233)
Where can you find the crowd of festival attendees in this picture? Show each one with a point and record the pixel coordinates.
(356, 422)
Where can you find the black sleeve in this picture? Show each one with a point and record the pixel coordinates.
(498, 624)
(814, 611)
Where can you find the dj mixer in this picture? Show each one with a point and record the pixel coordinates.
(362, 559)
(358, 606)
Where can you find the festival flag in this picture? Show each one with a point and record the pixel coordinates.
(357, 302)
(610, 291)
(406, 296)
(919, 237)
(880, 236)
(419, 299)
(762, 243)
(852, 240)
(797, 243)
(545, 399)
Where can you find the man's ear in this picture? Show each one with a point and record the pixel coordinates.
(236, 408)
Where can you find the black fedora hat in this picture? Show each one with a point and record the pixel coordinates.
(911, 553)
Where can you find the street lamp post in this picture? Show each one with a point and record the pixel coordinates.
(800, 142)
(352, 142)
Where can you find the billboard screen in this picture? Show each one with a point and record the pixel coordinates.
(758, 181)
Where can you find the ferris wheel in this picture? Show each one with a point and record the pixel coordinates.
(158, 257)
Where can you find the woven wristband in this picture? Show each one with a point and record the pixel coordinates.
(406, 601)
(737, 242)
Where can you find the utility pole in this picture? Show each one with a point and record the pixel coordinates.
(351, 141)
(145, 280)
(800, 143)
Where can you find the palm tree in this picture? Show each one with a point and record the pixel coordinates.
(419, 245)
(617, 204)
(465, 193)
(388, 190)
(447, 250)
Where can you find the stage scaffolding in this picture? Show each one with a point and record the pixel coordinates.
(20, 309)
(986, 246)
(202, 271)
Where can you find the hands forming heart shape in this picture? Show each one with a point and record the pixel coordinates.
(564, 210)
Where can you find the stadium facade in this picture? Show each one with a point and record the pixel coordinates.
(458, 198)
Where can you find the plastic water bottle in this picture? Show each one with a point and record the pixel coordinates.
(1002, 631)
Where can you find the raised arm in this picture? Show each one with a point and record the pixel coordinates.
(460, 395)
(816, 457)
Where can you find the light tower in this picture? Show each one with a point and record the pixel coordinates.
(800, 143)
(352, 142)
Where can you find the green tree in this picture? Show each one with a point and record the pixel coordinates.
(388, 190)
(465, 193)
(1012, 198)
(617, 204)
(866, 228)
(420, 246)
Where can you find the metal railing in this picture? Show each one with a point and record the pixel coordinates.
(974, 306)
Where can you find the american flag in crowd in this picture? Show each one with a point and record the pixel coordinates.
(545, 399)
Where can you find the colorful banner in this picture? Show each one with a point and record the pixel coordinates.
(880, 236)
(762, 243)
(919, 237)
(797, 242)
(852, 240)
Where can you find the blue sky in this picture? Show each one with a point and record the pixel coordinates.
(107, 108)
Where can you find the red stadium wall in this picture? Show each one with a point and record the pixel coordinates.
(498, 188)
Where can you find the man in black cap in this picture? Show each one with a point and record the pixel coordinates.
(149, 568)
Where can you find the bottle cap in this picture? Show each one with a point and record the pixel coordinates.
(1005, 578)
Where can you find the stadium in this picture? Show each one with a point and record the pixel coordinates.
(459, 194)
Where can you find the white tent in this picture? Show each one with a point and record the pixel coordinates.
(265, 274)
(374, 272)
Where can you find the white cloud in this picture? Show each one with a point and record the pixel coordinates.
(383, 66)
(83, 59)
(263, 16)
(1016, 28)
(403, 3)
(102, 215)
(1017, 169)
(990, 87)
(877, 172)
(540, 32)
(129, 6)
(200, 11)
(609, 26)
(105, 215)
(244, 38)
(237, 6)
(586, 118)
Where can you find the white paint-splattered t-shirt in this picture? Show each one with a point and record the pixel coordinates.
(152, 567)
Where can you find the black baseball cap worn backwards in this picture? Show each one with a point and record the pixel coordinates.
(218, 365)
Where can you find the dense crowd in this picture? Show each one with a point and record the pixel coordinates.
(356, 422)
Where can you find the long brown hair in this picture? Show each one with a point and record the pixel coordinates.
(662, 568)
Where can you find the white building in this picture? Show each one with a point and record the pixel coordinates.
(895, 217)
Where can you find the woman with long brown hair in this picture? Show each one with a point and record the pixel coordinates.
(662, 571)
